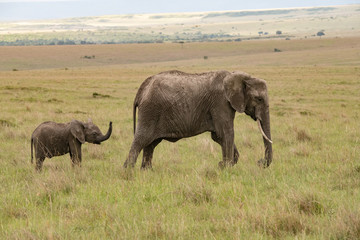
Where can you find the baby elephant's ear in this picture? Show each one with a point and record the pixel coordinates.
(77, 130)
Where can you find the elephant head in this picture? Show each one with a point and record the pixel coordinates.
(248, 94)
(88, 132)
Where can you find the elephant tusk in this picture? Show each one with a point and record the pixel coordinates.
(262, 131)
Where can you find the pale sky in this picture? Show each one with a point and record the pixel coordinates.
(50, 9)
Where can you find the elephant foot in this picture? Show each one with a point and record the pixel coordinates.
(76, 164)
(225, 164)
(263, 163)
(130, 165)
(146, 167)
(38, 166)
(236, 157)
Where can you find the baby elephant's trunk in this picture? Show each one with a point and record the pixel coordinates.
(107, 135)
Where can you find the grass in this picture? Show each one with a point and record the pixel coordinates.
(172, 55)
(311, 190)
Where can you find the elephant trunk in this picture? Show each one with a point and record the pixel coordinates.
(262, 131)
(264, 126)
(106, 136)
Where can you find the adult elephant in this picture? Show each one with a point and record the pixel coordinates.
(174, 105)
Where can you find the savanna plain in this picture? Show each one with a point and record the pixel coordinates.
(310, 191)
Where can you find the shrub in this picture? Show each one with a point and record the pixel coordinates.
(320, 33)
(6, 123)
(281, 224)
(302, 136)
(99, 95)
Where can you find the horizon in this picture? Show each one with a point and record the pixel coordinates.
(32, 10)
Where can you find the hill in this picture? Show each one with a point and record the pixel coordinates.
(185, 27)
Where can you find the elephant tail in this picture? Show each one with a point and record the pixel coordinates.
(134, 114)
(138, 98)
(32, 143)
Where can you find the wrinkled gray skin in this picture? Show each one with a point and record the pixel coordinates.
(52, 139)
(174, 105)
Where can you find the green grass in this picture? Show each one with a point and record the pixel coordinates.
(311, 190)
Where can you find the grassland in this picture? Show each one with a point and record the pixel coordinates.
(311, 191)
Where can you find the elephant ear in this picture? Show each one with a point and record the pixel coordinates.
(234, 85)
(77, 130)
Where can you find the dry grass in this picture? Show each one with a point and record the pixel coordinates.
(347, 224)
(309, 192)
(298, 52)
(280, 225)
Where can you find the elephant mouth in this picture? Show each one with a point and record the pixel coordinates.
(251, 114)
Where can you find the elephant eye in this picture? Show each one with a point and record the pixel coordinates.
(259, 99)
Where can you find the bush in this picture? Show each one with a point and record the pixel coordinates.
(88, 57)
(320, 33)
(99, 95)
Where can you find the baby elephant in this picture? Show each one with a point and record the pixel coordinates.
(55, 139)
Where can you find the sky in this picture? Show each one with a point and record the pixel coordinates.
(16, 10)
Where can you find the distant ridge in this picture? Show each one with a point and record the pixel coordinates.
(237, 25)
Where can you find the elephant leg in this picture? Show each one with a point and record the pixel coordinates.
(39, 163)
(218, 140)
(228, 148)
(148, 154)
(133, 154)
(139, 143)
(75, 153)
(236, 154)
